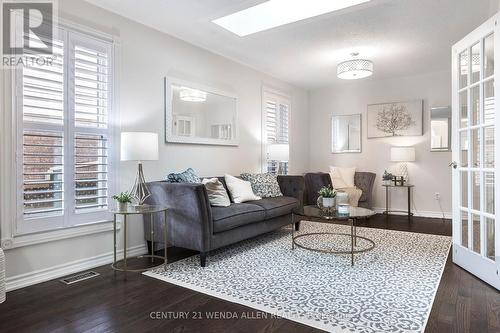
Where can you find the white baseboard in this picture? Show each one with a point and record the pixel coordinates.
(46, 274)
(420, 213)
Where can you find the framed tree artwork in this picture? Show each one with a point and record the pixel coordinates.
(395, 119)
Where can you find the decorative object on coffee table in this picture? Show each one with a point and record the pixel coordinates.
(139, 146)
(151, 210)
(326, 200)
(409, 188)
(403, 155)
(2, 276)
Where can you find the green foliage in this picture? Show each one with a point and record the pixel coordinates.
(327, 192)
(123, 197)
(387, 175)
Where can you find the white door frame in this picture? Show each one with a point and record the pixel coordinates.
(477, 264)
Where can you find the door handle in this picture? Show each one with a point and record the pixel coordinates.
(453, 164)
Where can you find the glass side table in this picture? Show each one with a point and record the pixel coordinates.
(121, 265)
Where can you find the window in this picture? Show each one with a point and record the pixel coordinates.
(276, 112)
(65, 135)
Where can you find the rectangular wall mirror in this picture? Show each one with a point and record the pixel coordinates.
(198, 114)
(441, 129)
(346, 134)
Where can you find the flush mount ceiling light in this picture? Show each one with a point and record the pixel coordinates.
(274, 13)
(192, 95)
(354, 69)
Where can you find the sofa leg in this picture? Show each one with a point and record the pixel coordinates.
(203, 259)
(297, 226)
(150, 246)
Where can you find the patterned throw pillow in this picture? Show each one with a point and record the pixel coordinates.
(263, 184)
(188, 176)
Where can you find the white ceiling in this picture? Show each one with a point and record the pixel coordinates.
(401, 37)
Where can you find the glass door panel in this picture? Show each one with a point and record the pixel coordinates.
(475, 63)
(489, 59)
(475, 192)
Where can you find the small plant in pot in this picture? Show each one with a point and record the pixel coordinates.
(387, 177)
(326, 197)
(123, 200)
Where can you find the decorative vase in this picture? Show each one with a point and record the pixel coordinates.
(328, 202)
(122, 206)
(325, 202)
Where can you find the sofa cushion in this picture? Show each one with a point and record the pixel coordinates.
(241, 190)
(217, 194)
(188, 176)
(237, 214)
(264, 185)
(277, 206)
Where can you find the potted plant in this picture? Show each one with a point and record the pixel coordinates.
(123, 199)
(327, 197)
(387, 177)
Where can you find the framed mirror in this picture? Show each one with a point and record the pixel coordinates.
(441, 129)
(346, 134)
(198, 114)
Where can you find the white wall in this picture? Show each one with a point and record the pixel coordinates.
(430, 173)
(146, 57)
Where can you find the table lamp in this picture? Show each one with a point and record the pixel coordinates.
(278, 152)
(139, 146)
(403, 154)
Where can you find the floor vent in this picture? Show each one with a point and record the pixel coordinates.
(79, 277)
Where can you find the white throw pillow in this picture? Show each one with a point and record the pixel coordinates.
(342, 177)
(240, 190)
(217, 194)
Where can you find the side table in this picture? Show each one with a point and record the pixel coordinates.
(409, 189)
(131, 210)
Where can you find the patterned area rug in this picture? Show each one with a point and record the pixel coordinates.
(389, 289)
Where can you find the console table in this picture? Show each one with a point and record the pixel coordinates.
(408, 188)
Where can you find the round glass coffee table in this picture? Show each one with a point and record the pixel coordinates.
(315, 214)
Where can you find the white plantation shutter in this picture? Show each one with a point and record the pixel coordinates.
(271, 121)
(91, 87)
(43, 90)
(66, 136)
(277, 119)
(91, 118)
(43, 173)
(282, 130)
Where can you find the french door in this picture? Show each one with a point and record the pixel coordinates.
(476, 124)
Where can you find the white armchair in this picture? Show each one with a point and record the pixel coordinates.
(2, 276)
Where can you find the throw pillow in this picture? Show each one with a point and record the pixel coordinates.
(240, 189)
(217, 194)
(188, 176)
(263, 184)
(342, 177)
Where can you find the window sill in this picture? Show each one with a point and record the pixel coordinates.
(55, 235)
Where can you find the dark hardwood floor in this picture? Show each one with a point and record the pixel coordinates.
(115, 302)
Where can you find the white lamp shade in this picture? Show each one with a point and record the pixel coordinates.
(402, 154)
(139, 146)
(278, 152)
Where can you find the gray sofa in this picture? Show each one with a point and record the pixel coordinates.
(194, 224)
(363, 180)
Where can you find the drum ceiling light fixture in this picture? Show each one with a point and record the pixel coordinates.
(355, 68)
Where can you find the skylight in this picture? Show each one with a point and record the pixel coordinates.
(274, 13)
